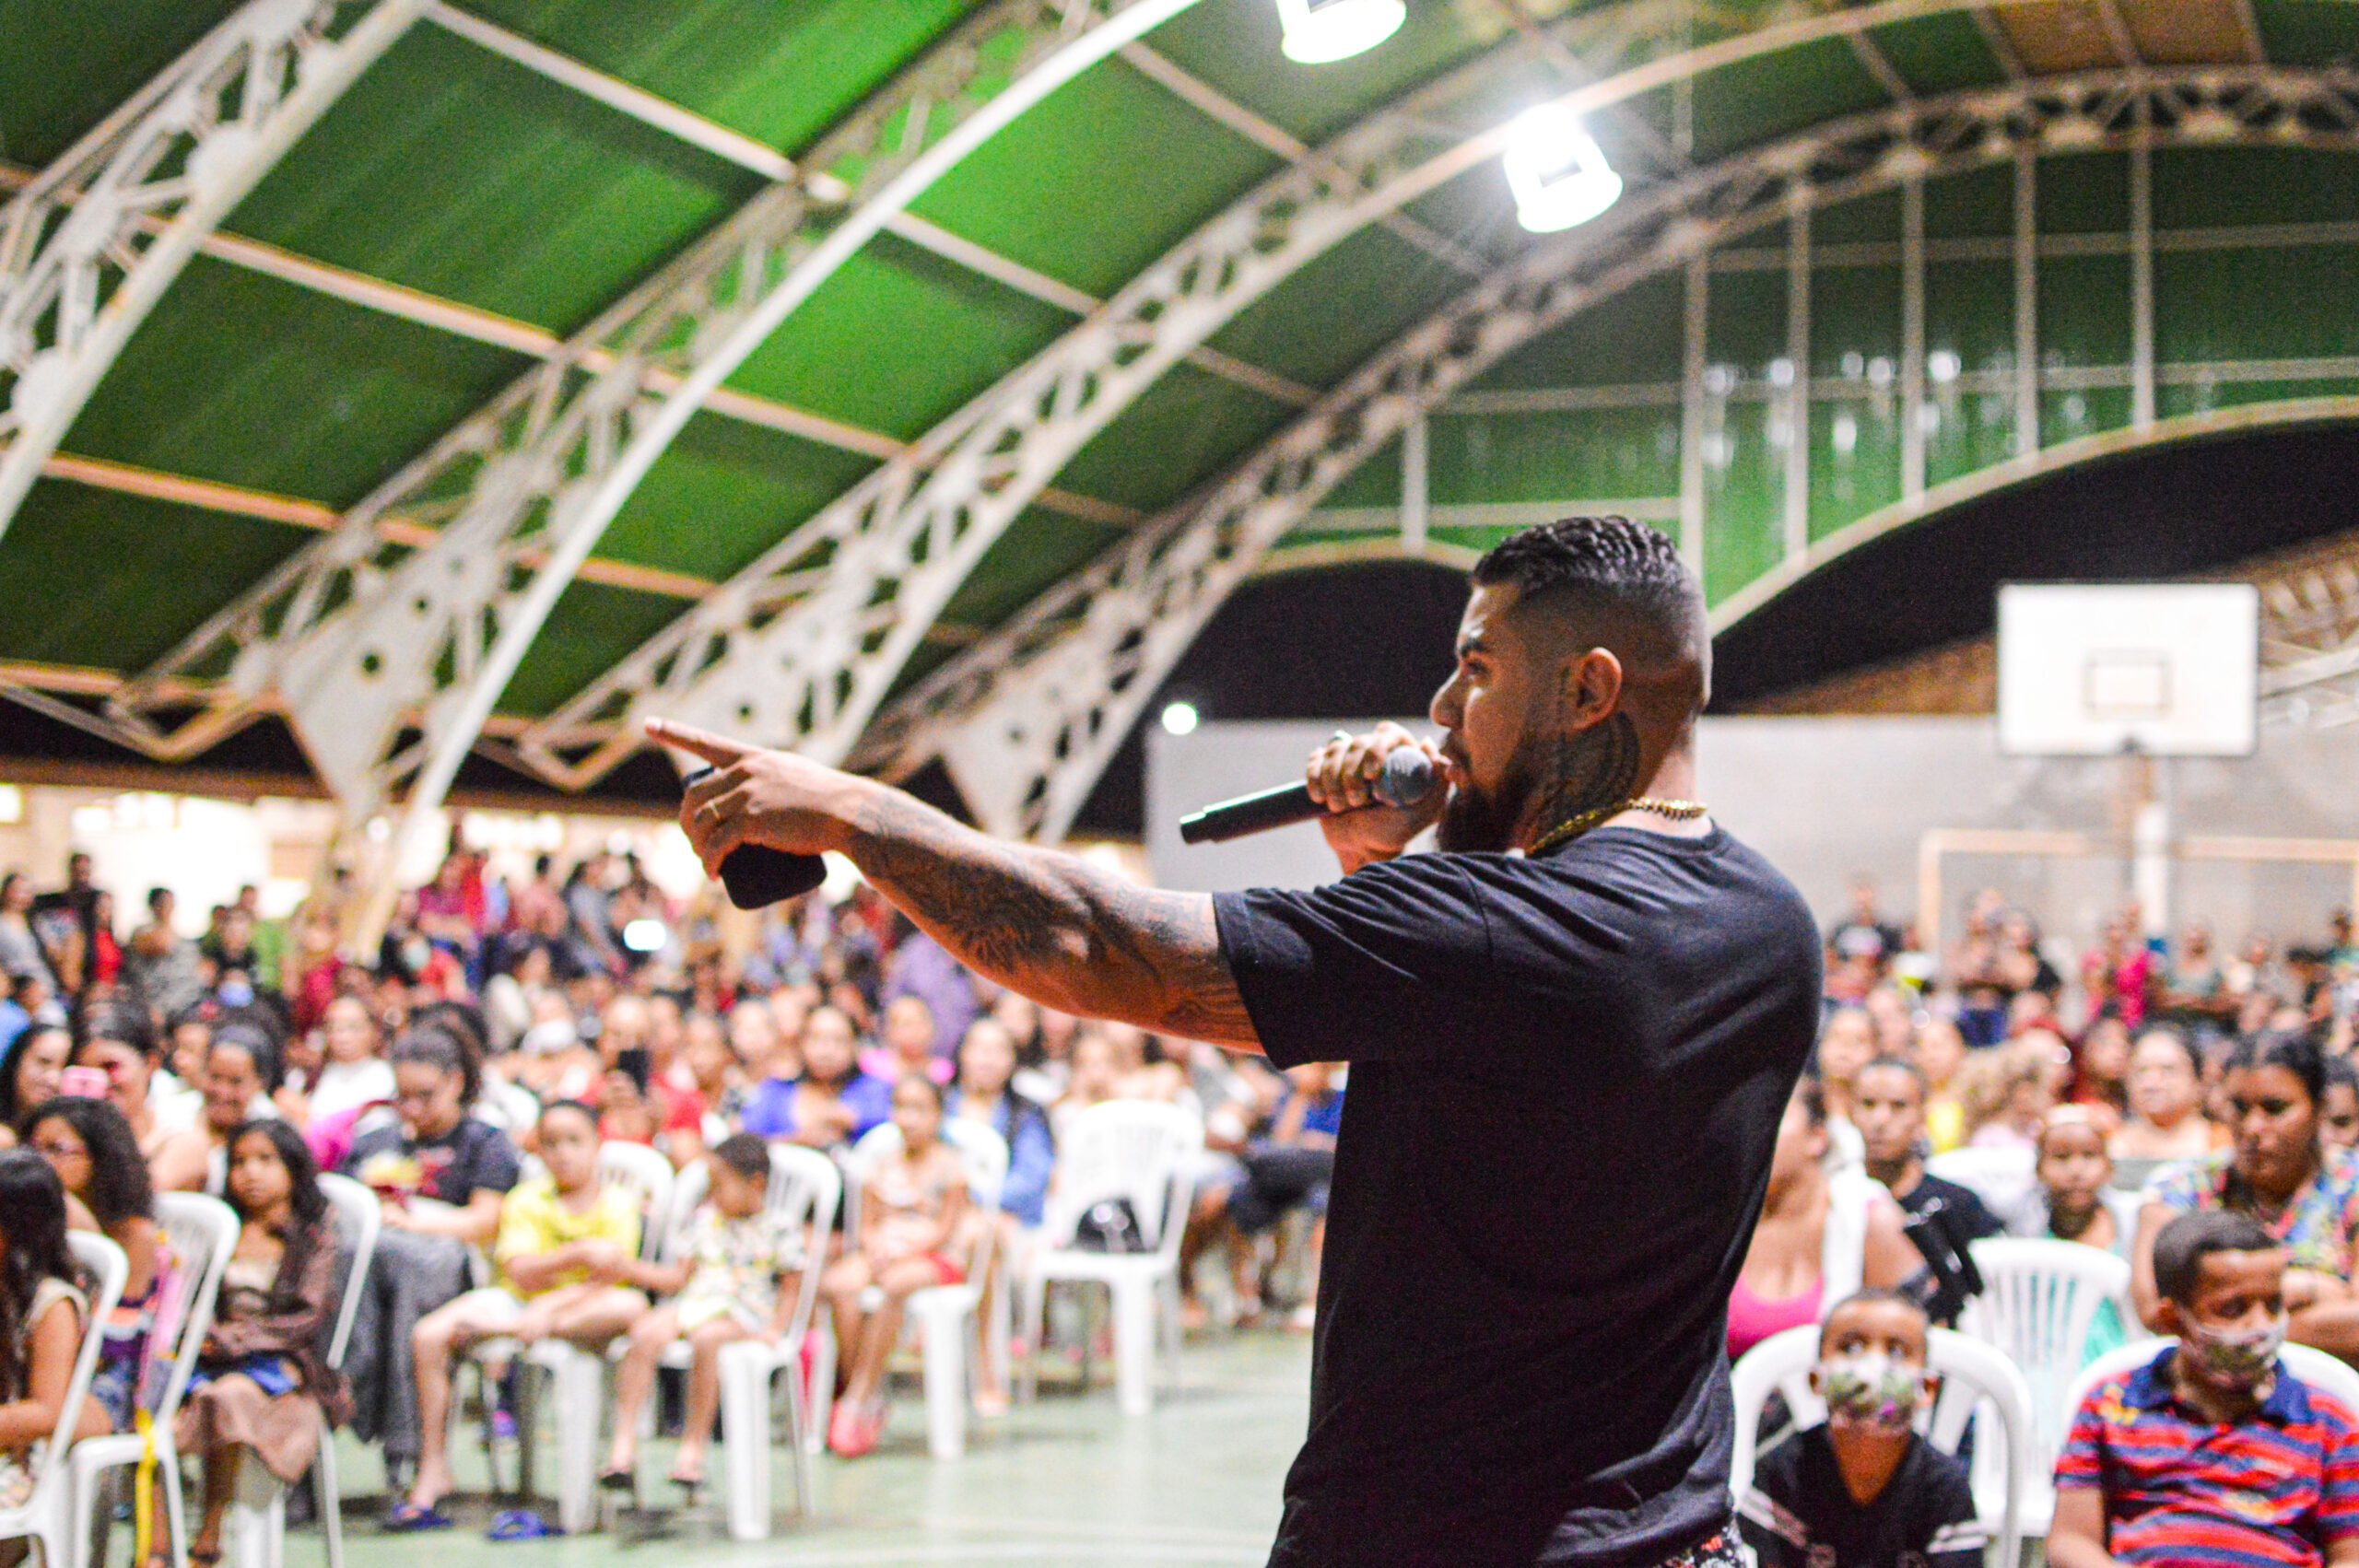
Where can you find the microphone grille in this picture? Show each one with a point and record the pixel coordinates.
(1407, 779)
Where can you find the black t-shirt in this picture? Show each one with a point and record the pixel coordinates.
(471, 1156)
(1946, 1217)
(1567, 1079)
(1800, 1514)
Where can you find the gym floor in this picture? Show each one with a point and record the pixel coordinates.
(1066, 1479)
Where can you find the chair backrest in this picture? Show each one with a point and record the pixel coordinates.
(103, 1264)
(203, 1233)
(360, 1217)
(649, 1176)
(1999, 1174)
(2039, 1301)
(1141, 1150)
(2313, 1366)
(1974, 1376)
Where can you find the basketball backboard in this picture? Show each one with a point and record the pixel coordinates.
(2093, 669)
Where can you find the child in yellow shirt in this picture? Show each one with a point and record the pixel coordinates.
(565, 1246)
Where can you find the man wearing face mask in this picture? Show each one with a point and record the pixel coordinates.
(2212, 1453)
(1865, 1491)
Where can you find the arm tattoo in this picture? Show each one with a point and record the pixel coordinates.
(1053, 928)
(1592, 767)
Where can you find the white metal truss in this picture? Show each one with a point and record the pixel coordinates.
(1028, 719)
(2309, 641)
(91, 244)
(387, 658)
(801, 648)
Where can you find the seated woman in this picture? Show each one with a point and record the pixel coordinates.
(30, 1070)
(2101, 1071)
(565, 1240)
(353, 1069)
(2305, 1194)
(913, 1211)
(439, 1174)
(2338, 1126)
(40, 1342)
(1822, 1235)
(2007, 1092)
(984, 1094)
(90, 1146)
(2166, 1120)
(1939, 1053)
(260, 1384)
(833, 1102)
(240, 1073)
(116, 1038)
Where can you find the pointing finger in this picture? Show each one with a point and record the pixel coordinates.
(718, 750)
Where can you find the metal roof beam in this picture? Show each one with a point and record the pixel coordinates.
(81, 264)
(809, 670)
(1209, 100)
(359, 639)
(1028, 719)
(478, 325)
(678, 121)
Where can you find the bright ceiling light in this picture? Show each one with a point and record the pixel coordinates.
(1180, 718)
(1318, 32)
(1557, 170)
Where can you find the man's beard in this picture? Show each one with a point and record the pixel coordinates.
(1551, 779)
(1480, 821)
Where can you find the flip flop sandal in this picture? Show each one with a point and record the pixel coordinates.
(408, 1518)
(520, 1524)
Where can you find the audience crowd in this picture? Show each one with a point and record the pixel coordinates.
(2190, 1112)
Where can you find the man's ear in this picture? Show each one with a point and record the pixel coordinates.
(2170, 1317)
(1591, 688)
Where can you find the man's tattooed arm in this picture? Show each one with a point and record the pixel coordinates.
(1051, 926)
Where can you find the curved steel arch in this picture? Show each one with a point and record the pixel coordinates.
(1028, 718)
(388, 659)
(801, 648)
(89, 246)
(1831, 547)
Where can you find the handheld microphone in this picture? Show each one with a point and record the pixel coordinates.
(1409, 777)
(756, 875)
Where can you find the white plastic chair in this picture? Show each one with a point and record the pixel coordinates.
(807, 1187)
(1144, 1151)
(576, 1377)
(203, 1233)
(257, 1525)
(943, 1315)
(1999, 1175)
(1974, 1376)
(46, 1514)
(2039, 1302)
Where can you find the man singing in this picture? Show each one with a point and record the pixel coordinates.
(1572, 1032)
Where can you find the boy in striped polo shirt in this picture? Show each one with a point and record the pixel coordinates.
(2212, 1453)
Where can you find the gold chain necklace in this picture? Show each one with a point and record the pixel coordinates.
(1565, 832)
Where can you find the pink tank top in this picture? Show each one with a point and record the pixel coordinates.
(1753, 1319)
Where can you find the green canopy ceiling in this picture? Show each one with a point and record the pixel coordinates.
(509, 170)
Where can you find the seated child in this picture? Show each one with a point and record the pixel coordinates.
(565, 1245)
(37, 1356)
(261, 1382)
(1864, 1489)
(728, 1275)
(2211, 1453)
(913, 1208)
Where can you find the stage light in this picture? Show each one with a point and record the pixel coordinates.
(644, 936)
(1557, 170)
(1319, 31)
(1180, 718)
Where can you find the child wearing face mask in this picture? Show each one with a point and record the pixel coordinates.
(1864, 1489)
(2212, 1453)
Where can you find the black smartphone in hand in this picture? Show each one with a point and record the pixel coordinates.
(758, 875)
